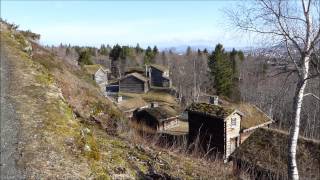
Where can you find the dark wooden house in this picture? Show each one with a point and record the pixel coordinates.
(217, 127)
(112, 87)
(157, 118)
(133, 83)
(159, 76)
(264, 156)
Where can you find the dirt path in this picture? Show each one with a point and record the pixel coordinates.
(10, 126)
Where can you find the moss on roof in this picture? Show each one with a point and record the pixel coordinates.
(136, 69)
(267, 149)
(132, 103)
(253, 116)
(159, 67)
(210, 109)
(138, 76)
(92, 69)
(161, 113)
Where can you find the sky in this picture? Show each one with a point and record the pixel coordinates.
(92, 23)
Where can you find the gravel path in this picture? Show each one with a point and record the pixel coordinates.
(10, 126)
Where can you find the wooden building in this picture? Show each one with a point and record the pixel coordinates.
(159, 76)
(98, 73)
(264, 156)
(253, 119)
(133, 83)
(128, 106)
(253, 116)
(217, 127)
(157, 118)
(112, 87)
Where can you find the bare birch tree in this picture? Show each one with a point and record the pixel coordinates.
(295, 26)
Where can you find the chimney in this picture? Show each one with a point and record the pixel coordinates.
(154, 104)
(119, 99)
(214, 100)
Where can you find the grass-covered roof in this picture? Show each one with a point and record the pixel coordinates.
(138, 76)
(161, 113)
(159, 67)
(132, 103)
(252, 116)
(211, 109)
(267, 149)
(137, 69)
(92, 69)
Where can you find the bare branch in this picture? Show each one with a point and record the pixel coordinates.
(313, 95)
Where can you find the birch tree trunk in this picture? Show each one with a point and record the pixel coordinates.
(294, 134)
(296, 25)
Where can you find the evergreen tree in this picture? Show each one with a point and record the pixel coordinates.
(233, 55)
(148, 55)
(199, 52)
(125, 52)
(103, 50)
(188, 51)
(138, 49)
(205, 51)
(115, 53)
(155, 50)
(85, 58)
(241, 55)
(221, 71)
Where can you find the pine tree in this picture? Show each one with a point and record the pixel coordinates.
(188, 51)
(199, 52)
(138, 49)
(103, 50)
(221, 71)
(115, 53)
(155, 50)
(148, 55)
(85, 58)
(205, 51)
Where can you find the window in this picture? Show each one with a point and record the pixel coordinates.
(233, 122)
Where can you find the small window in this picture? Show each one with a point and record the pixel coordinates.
(233, 122)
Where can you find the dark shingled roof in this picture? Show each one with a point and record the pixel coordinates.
(161, 113)
(210, 109)
(267, 149)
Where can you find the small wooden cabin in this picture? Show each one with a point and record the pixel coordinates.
(98, 73)
(133, 83)
(157, 118)
(264, 156)
(217, 127)
(159, 76)
(253, 119)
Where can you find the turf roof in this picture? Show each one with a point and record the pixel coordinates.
(159, 67)
(137, 75)
(267, 149)
(161, 113)
(92, 69)
(252, 116)
(211, 109)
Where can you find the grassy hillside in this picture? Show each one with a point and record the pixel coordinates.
(59, 105)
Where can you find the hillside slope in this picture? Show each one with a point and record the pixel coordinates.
(56, 106)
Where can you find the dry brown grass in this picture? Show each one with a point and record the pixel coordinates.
(57, 102)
